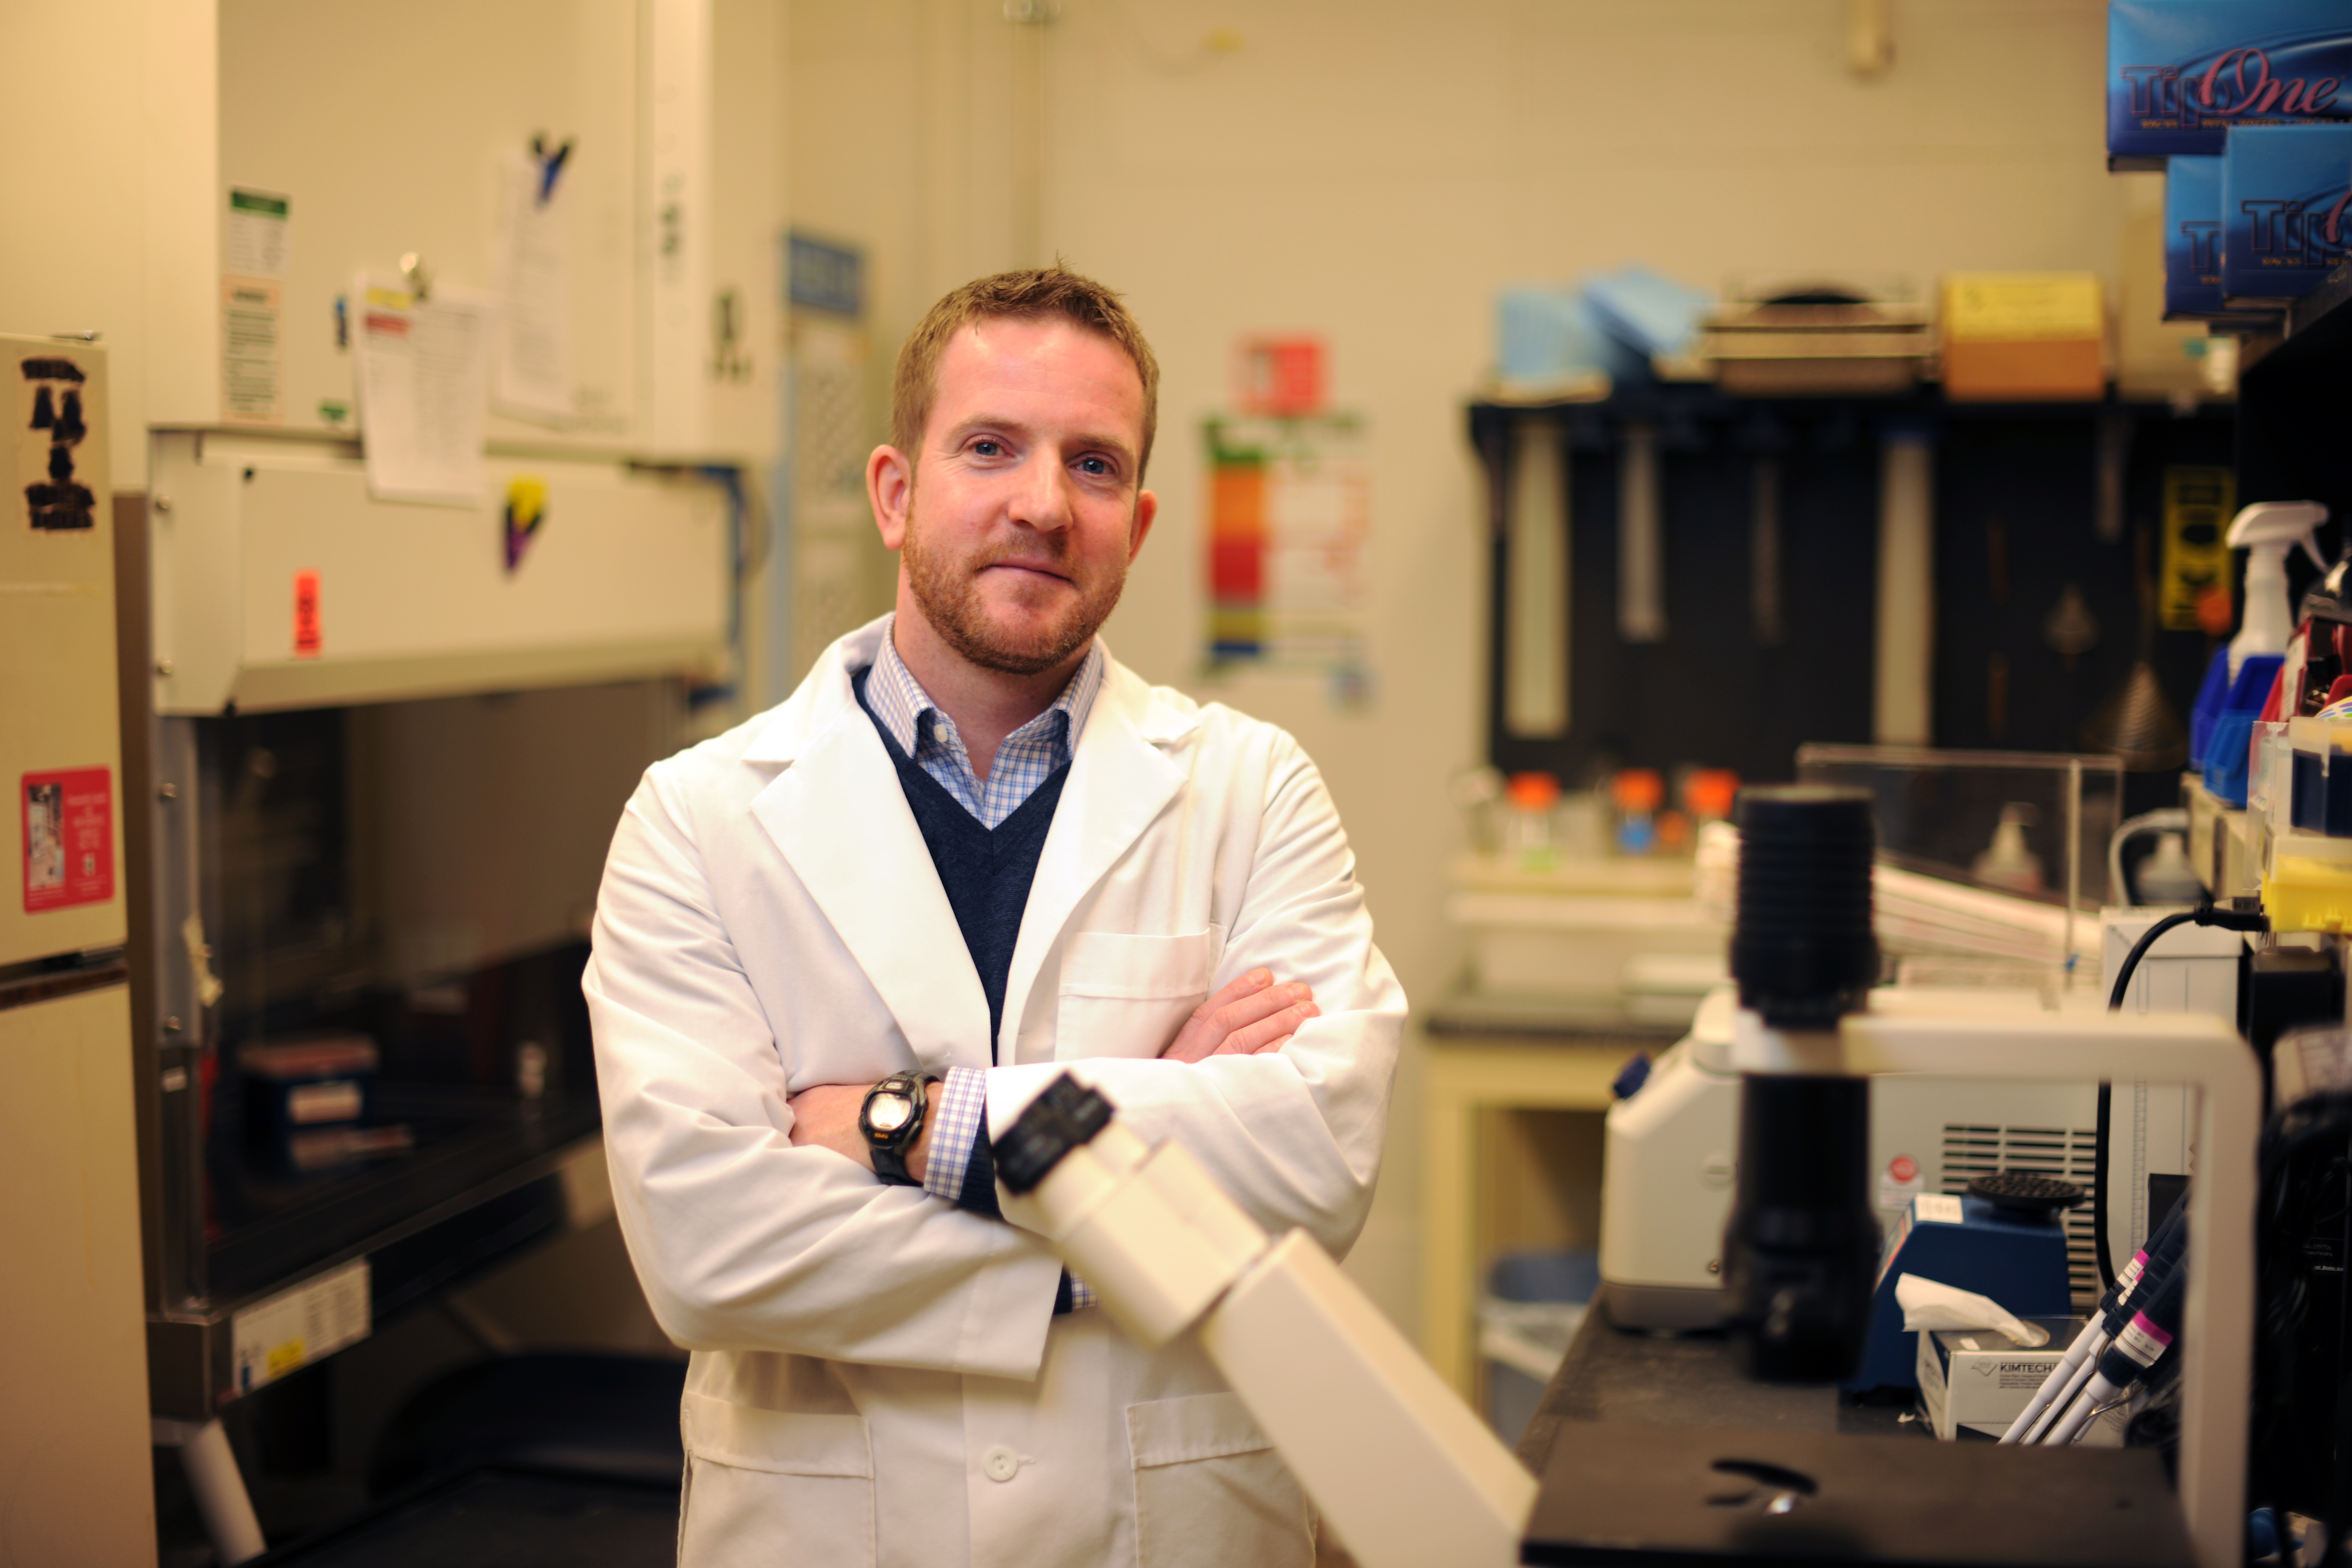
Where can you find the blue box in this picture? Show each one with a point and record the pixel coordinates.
(2192, 238)
(2019, 1260)
(2182, 73)
(1546, 337)
(2286, 209)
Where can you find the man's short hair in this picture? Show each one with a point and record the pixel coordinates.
(1030, 294)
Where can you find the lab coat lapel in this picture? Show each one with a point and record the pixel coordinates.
(1120, 781)
(839, 815)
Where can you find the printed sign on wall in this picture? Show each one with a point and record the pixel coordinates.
(1289, 516)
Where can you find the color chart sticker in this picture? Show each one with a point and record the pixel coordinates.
(68, 820)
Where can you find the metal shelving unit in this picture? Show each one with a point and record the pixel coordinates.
(2016, 497)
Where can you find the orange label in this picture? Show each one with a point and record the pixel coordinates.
(306, 615)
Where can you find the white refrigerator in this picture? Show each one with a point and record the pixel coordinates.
(75, 1467)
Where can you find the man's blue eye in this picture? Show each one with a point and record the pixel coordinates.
(1096, 466)
(985, 448)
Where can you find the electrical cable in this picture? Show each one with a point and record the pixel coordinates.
(2099, 1187)
(2204, 914)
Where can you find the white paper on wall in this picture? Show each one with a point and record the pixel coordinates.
(534, 339)
(423, 381)
(254, 259)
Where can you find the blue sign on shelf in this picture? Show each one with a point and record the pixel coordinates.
(825, 277)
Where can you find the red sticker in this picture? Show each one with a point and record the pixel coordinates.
(1903, 1168)
(69, 838)
(306, 615)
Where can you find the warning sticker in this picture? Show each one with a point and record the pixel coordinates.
(291, 1330)
(68, 822)
(306, 615)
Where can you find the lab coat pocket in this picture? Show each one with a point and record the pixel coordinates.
(770, 1487)
(1126, 996)
(1210, 1491)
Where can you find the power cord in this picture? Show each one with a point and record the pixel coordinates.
(2243, 915)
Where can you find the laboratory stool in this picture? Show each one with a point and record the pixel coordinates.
(597, 1417)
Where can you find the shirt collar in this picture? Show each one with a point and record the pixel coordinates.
(900, 701)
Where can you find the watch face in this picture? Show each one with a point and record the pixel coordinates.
(888, 1112)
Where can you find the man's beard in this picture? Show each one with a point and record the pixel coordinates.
(947, 589)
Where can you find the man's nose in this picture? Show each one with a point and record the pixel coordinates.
(1041, 499)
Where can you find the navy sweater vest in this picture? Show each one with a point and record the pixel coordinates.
(986, 872)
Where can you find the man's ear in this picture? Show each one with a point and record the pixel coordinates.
(890, 491)
(1147, 512)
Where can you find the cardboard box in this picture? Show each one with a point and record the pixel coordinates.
(2192, 238)
(2286, 206)
(2023, 336)
(1975, 1381)
(2182, 74)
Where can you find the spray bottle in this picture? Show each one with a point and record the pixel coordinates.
(2239, 678)
(2267, 531)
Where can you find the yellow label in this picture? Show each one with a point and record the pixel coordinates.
(2023, 307)
(2198, 503)
(390, 299)
(286, 1357)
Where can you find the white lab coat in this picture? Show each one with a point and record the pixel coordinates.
(878, 1375)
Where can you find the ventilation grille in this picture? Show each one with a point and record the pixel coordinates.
(2066, 1153)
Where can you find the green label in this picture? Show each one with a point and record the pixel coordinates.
(255, 202)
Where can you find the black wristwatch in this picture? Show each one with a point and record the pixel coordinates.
(891, 1119)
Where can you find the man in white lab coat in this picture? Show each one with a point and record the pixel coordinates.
(837, 945)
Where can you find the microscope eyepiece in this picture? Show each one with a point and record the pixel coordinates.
(1802, 949)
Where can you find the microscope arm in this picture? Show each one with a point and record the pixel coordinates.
(1406, 1474)
(2218, 1321)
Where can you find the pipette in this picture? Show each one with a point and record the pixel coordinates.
(2066, 1379)
(2138, 1347)
(2163, 1262)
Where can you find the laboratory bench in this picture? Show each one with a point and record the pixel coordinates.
(1638, 1378)
(1511, 1106)
(1655, 1448)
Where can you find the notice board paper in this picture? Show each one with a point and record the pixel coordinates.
(534, 361)
(253, 282)
(253, 351)
(256, 234)
(423, 381)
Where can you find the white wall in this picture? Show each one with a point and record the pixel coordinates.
(111, 227)
(1372, 172)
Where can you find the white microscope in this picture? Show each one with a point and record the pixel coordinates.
(1408, 1476)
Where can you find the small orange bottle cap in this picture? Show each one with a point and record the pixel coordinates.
(1637, 789)
(1532, 792)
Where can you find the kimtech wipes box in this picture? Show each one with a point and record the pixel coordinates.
(1975, 1381)
(2285, 217)
(2182, 73)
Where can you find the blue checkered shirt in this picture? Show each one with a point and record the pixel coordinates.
(1026, 759)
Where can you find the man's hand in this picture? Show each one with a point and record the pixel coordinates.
(826, 1116)
(1250, 1016)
